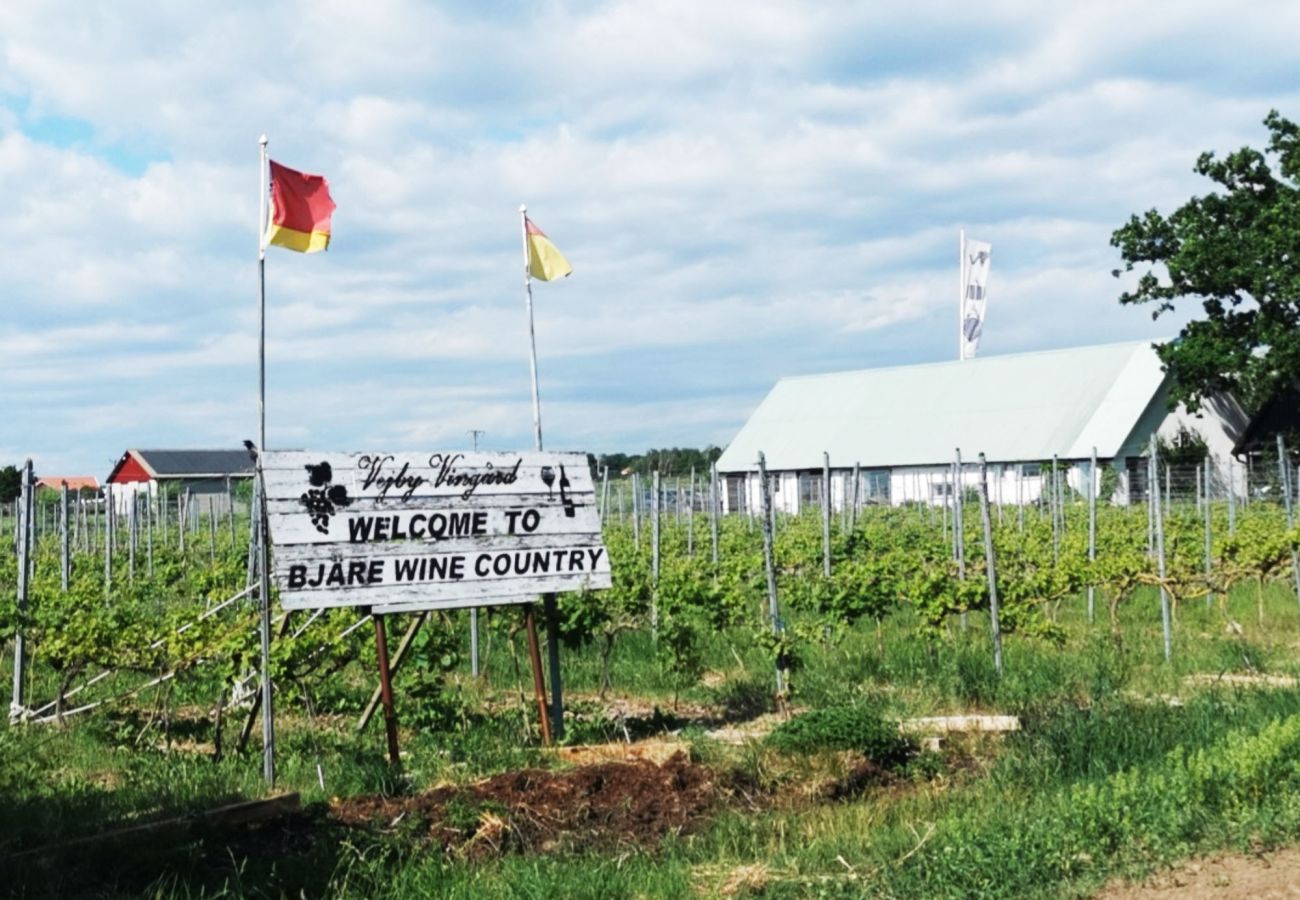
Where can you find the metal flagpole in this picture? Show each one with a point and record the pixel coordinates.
(548, 600)
(532, 336)
(268, 721)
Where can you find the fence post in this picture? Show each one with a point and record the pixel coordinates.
(604, 493)
(948, 500)
(1209, 595)
(108, 539)
(690, 515)
(1020, 496)
(958, 527)
(1002, 477)
(1169, 489)
(65, 560)
(1153, 496)
(24, 556)
(230, 511)
(769, 564)
(636, 512)
(654, 554)
(254, 515)
(130, 540)
(714, 502)
(1284, 471)
(1232, 500)
(857, 496)
(1054, 507)
(991, 566)
(1158, 515)
(1093, 485)
(826, 514)
(212, 530)
(148, 533)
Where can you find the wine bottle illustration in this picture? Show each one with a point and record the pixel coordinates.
(564, 495)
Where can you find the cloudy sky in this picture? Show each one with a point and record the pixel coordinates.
(745, 191)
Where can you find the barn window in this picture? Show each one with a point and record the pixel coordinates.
(736, 493)
(810, 489)
(876, 486)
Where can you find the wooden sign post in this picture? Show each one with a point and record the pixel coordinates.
(413, 532)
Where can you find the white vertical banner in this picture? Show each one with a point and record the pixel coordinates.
(975, 259)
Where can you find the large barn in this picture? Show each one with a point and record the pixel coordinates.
(903, 427)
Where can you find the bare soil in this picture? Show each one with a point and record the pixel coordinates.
(607, 805)
(1271, 875)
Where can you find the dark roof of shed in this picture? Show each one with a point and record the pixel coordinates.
(182, 463)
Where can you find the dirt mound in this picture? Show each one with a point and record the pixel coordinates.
(535, 810)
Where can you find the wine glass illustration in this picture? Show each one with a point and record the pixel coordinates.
(548, 479)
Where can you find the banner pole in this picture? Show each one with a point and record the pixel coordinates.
(549, 608)
(264, 579)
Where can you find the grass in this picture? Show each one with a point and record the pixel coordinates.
(1106, 776)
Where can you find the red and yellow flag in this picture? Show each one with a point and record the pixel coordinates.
(300, 210)
(545, 262)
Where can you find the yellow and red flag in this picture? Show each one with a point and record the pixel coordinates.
(300, 210)
(545, 262)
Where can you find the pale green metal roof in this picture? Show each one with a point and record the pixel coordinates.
(1019, 407)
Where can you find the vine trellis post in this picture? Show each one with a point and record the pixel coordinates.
(713, 509)
(1159, 522)
(959, 528)
(990, 565)
(769, 565)
(826, 514)
(1284, 478)
(24, 517)
(1209, 525)
(65, 560)
(654, 555)
(1094, 484)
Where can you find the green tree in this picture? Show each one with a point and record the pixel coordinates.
(669, 461)
(1186, 448)
(1237, 251)
(11, 484)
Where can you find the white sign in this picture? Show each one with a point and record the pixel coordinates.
(976, 257)
(407, 531)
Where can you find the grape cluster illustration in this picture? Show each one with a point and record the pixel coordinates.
(323, 499)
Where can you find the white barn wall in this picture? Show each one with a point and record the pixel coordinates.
(923, 484)
(1112, 396)
(1220, 423)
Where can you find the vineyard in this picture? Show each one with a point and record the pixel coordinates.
(752, 724)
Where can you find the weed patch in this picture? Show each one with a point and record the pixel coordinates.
(843, 728)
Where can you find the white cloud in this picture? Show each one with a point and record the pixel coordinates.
(743, 190)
